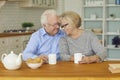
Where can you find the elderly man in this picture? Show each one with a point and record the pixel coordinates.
(45, 40)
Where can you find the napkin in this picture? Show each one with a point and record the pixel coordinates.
(114, 68)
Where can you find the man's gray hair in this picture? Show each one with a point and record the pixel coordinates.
(46, 14)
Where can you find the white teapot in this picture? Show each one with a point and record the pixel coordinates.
(11, 61)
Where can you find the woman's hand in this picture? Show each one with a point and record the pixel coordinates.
(90, 59)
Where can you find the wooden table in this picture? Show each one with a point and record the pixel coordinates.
(62, 71)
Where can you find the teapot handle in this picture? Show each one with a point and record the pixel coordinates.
(2, 57)
(19, 60)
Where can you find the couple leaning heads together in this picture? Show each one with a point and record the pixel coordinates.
(63, 36)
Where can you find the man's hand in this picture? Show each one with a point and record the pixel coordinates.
(44, 58)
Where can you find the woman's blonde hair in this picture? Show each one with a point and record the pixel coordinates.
(73, 17)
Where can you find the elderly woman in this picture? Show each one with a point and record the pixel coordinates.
(79, 41)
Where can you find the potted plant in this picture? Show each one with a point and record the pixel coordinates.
(27, 25)
(116, 41)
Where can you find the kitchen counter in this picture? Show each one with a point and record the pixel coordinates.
(15, 41)
(62, 71)
(15, 34)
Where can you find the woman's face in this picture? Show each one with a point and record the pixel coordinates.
(67, 27)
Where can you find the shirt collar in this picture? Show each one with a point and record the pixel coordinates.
(43, 32)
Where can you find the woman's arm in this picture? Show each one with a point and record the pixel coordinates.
(97, 47)
(99, 51)
(64, 49)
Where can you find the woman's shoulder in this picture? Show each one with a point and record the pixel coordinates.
(64, 38)
(89, 33)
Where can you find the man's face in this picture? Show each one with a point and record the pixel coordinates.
(52, 26)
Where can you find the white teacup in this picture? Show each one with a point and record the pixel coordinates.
(78, 57)
(52, 59)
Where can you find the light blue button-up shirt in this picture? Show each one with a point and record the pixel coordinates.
(42, 43)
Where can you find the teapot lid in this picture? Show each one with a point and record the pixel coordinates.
(11, 52)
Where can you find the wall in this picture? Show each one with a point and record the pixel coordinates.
(73, 5)
(12, 15)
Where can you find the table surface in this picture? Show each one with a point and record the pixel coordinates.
(62, 69)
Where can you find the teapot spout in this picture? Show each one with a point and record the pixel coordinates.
(19, 60)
